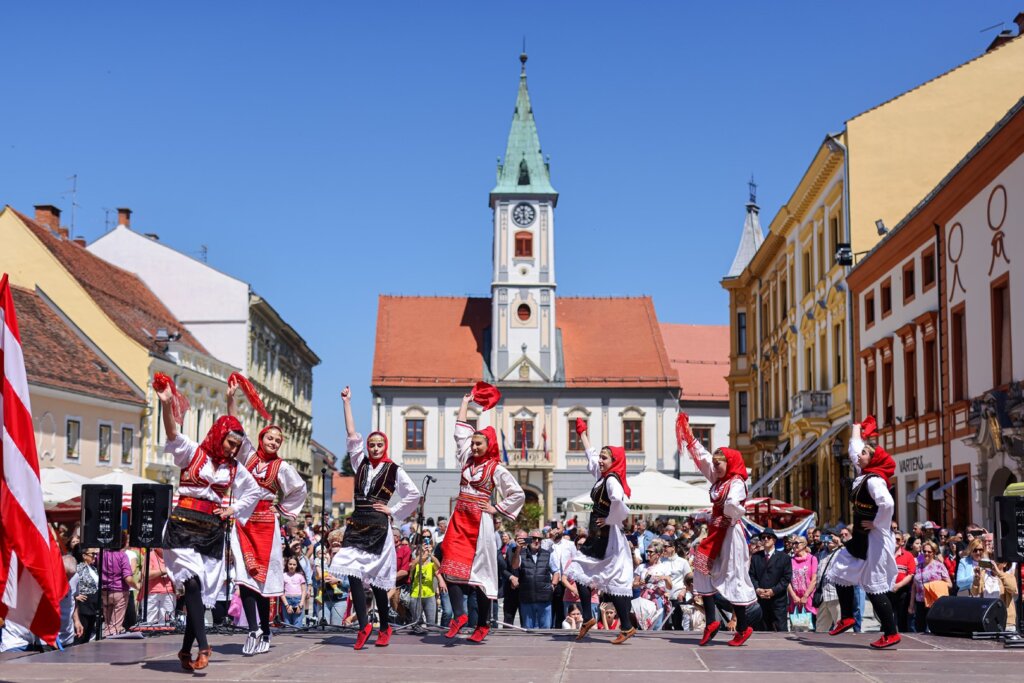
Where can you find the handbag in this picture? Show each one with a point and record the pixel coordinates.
(819, 590)
(800, 619)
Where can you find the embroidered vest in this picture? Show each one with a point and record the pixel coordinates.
(192, 475)
(480, 477)
(268, 479)
(382, 487)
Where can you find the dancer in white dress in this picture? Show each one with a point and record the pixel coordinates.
(721, 560)
(367, 552)
(194, 537)
(868, 558)
(604, 563)
(470, 549)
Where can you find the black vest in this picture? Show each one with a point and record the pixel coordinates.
(368, 529)
(596, 545)
(535, 577)
(864, 509)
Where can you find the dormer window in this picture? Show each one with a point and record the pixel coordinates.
(524, 173)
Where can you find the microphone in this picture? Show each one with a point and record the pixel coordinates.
(433, 480)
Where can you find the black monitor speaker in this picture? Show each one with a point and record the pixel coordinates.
(963, 615)
(150, 505)
(101, 516)
(1009, 531)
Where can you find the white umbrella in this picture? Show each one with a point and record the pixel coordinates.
(653, 493)
(119, 476)
(59, 485)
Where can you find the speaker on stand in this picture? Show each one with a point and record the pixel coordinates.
(151, 504)
(1008, 539)
(101, 528)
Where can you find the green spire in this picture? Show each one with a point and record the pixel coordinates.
(524, 170)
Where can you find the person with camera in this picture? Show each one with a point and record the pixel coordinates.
(537, 573)
(604, 562)
(993, 579)
(367, 552)
(426, 582)
(510, 578)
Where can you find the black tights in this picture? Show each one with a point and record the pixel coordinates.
(195, 616)
(253, 603)
(483, 603)
(879, 601)
(620, 602)
(380, 596)
(711, 614)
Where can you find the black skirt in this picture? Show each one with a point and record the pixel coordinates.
(596, 545)
(200, 531)
(367, 530)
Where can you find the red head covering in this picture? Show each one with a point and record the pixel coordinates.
(882, 464)
(618, 466)
(264, 456)
(213, 444)
(492, 446)
(486, 395)
(384, 456)
(734, 465)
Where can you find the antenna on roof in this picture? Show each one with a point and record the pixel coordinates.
(74, 204)
(753, 189)
(993, 26)
(203, 252)
(106, 219)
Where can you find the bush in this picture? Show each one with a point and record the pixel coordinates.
(529, 516)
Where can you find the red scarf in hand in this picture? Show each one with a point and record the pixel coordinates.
(179, 404)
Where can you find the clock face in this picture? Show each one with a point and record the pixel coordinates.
(523, 214)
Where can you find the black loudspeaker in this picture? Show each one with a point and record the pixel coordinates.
(963, 615)
(150, 505)
(1009, 532)
(101, 516)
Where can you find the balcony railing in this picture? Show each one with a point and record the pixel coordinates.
(810, 404)
(766, 429)
(532, 460)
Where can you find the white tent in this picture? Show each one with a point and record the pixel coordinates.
(59, 485)
(653, 493)
(119, 476)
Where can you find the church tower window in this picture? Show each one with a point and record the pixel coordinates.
(524, 244)
(524, 173)
(523, 312)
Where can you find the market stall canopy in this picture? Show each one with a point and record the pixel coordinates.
(653, 493)
(59, 485)
(116, 476)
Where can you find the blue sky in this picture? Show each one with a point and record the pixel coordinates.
(329, 152)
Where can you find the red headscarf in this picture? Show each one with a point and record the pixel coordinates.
(618, 466)
(384, 456)
(881, 462)
(263, 455)
(213, 444)
(734, 465)
(492, 452)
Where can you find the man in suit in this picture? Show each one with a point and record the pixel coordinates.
(771, 572)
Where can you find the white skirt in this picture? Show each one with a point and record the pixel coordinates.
(612, 574)
(876, 574)
(274, 585)
(730, 575)
(376, 570)
(184, 563)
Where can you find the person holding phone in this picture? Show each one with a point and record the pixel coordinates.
(993, 579)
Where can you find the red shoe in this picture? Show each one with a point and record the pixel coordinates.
(364, 635)
(886, 641)
(383, 637)
(842, 626)
(741, 636)
(457, 623)
(480, 633)
(710, 631)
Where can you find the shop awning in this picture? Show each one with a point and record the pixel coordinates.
(795, 456)
(921, 489)
(827, 436)
(937, 493)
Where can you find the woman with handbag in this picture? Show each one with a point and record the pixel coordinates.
(931, 582)
(825, 598)
(801, 588)
(868, 560)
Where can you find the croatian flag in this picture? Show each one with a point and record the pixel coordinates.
(504, 451)
(32, 578)
(544, 435)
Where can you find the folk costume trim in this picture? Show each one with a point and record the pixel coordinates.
(710, 547)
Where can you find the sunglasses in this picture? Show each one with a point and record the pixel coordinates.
(535, 539)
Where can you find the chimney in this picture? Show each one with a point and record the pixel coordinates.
(48, 215)
(80, 241)
(124, 217)
(1019, 20)
(1004, 37)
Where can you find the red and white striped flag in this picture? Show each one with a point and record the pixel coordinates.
(32, 578)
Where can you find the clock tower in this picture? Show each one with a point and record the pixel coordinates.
(524, 343)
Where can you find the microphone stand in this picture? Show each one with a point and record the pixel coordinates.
(420, 625)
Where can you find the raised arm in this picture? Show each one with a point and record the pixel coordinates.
(464, 408)
(856, 446)
(593, 459)
(170, 429)
(699, 454)
(232, 387)
(350, 423)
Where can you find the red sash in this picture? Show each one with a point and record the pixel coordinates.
(256, 539)
(710, 547)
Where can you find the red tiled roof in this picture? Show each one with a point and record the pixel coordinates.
(121, 294)
(56, 356)
(700, 354)
(434, 341)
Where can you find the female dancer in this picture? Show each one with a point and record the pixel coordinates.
(256, 544)
(604, 561)
(868, 559)
(721, 559)
(194, 536)
(367, 549)
(470, 549)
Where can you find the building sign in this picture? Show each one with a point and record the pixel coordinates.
(912, 464)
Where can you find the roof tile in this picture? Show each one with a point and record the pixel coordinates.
(700, 354)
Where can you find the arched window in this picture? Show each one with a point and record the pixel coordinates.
(524, 173)
(524, 244)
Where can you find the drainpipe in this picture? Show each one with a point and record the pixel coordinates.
(941, 287)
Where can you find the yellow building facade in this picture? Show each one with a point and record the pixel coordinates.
(790, 363)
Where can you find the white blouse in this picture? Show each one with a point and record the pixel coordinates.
(245, 492)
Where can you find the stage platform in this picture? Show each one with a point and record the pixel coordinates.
(547, 657)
